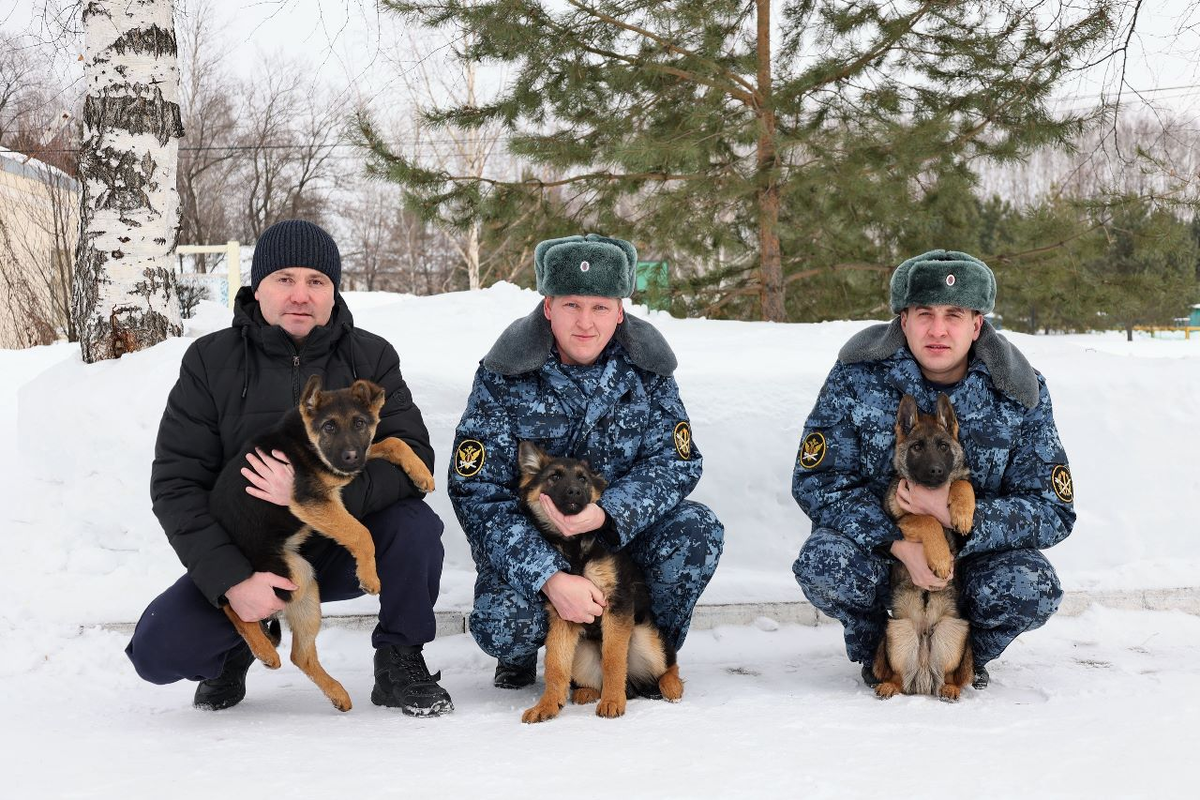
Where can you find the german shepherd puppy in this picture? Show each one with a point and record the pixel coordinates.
(926, 649)
(327, 439)
(623, 645)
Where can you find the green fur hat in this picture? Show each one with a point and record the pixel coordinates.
(944, 278)
(590, 265)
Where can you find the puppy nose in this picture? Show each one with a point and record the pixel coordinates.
(574, 491)
(349, 456)
(937, 471)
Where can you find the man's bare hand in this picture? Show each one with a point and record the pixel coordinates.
(271, 477)
(254, 598)
(575, 598)
(917, 499)
(912, 556)
(590, 518)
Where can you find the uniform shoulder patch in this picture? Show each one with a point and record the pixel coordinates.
(469, 457)
(683, 440)
(812, 450)
(1064, 487)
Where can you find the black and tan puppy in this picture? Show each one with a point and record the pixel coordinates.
(623, 645)
(926, 649)
(327, 440)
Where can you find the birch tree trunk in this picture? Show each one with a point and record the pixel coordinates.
(125, 298)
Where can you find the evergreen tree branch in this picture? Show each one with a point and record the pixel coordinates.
(665, 43)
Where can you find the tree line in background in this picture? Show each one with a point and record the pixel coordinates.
(779, 184)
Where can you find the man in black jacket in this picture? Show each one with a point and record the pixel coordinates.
(291, 323)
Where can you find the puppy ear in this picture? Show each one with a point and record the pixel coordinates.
(945, 415)
(310, 395)
(531, 458)
(367, 393)
(906, 417)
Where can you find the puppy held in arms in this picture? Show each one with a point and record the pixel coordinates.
(623, 645)
(927, 649)
(327, 439)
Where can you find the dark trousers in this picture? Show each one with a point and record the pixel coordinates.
(1002, 594)
(678, 555)
(182, 635)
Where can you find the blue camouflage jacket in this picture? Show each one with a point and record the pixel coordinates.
(1023, 487)
(633, 430)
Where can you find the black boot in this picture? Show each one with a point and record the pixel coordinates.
(515, 675)
(981, 678)
(868, 676)
(403, 681)
(227, 689)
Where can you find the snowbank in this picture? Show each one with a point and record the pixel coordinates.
(81, 544)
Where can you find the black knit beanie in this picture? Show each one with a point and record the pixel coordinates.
(295, 243)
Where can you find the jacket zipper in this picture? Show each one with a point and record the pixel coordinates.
(295, 380)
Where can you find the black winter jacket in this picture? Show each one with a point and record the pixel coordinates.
(237, 382)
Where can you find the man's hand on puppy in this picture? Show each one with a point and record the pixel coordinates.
(254, 598)
(912, 556)
(271, 477)
(917, 499)
(591, 518)
(575, 598)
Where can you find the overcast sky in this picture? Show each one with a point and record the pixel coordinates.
(349, 42)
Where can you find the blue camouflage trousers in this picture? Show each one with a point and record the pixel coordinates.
(1002, 594)
(678, 555)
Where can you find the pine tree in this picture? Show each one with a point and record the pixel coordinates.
(762, 169)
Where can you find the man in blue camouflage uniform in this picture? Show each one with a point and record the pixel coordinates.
(580, 379)
(939, 342)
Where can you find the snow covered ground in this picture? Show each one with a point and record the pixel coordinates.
(1102, 704)
(1098, 706)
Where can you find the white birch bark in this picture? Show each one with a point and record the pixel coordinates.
(125, 296)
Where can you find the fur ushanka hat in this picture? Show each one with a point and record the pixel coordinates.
(944, 278)
(592, 265)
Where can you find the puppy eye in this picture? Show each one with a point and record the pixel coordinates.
(329, 427)
(918, 446)
(359, 424)
(943, 447)
(553, 477)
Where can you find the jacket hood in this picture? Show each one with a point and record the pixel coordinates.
(525, 344)
(1011, 373)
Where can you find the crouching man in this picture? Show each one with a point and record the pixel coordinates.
(938, 342)
(580, 379)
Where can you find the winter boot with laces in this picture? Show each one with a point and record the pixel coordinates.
(229, 688)
(402, 681)
(980, 679)
(515, 674)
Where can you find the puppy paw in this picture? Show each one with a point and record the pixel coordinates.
(949, 692)
(942, 567)
(611, 707)
(541, 712)
(419, 475)
(886, 689)
(584, 695)
(339, 698)
(671, 687)
(962, 521)
(369, 582)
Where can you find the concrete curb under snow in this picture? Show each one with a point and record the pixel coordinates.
(802, 613)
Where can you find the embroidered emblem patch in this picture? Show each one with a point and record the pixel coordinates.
(584, 266)
(1064, 487)
(683, 440)
(468, 457)
(812, 450)
(950, 280)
